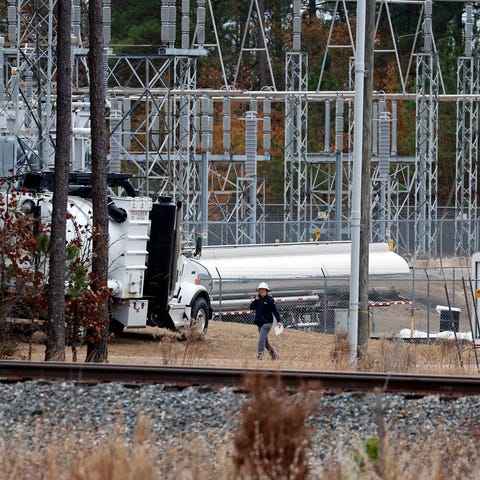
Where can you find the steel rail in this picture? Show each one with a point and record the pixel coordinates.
(325, 380)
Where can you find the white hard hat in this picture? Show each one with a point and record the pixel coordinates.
(263, 285)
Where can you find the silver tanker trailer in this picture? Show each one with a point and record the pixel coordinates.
(309, 280)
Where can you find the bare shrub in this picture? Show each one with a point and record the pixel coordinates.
(41, 454)
(273, 438)
(193, 334)
(193, 338)
(182, 348)
(23, 245)
(340, 353)
(167, 349)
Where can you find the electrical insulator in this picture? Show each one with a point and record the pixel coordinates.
(168, 27)
(297, 26)
(339, 125)
(185, 24)
(115, 140)
(226, 125)
(201, 22)
(2, 84)
(196, 125)
(127, 123)
(375, 128)
(207, 123)
(267, 126)
(12, 21)
(251, 143)
(327, 126)
(394, 128)
(107, 22)
(384, 145)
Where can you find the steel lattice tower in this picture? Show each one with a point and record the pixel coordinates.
(30, 67)
(296, 124)
(427, 92)
(466, 202)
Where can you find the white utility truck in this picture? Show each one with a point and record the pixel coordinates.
(154, 280)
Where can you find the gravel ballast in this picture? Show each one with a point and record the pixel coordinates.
(341, 421)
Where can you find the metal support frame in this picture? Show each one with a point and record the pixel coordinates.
(30, 66)
(254, 25)
(428, 80)
(186, 183)
(155, 130)
(381, 188)
(328, 179)
(466, 178)
(296, 119)
(426, 181)
(466, 184)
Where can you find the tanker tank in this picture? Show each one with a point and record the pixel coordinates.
(289, 268)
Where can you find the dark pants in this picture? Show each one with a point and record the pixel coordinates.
(263, 342)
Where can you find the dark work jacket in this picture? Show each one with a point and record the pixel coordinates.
(265, 308)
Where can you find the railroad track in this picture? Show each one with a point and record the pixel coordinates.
(184, 376)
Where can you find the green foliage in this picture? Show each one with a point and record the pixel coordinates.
(370, 449)
(72, 252)
(43, 243)
(136, 23)
(78, 280)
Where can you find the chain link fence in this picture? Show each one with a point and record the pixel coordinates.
(431, 302)
(449, 231)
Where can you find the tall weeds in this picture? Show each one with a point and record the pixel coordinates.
(273, 438)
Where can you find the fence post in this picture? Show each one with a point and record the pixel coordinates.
(428, 304)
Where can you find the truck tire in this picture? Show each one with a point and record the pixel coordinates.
(200, 315)
(115, 327)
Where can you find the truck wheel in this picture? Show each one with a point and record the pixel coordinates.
(199, 319)
(115, 327)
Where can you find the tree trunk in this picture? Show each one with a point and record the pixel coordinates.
(97, 349)
(56, 288)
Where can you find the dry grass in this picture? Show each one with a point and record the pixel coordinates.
(272, 442)
(273, 438)
(234, 345)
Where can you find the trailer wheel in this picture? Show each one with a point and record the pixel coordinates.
(199, 319)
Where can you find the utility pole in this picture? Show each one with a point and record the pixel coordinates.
(363, 317)
(355, 217)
